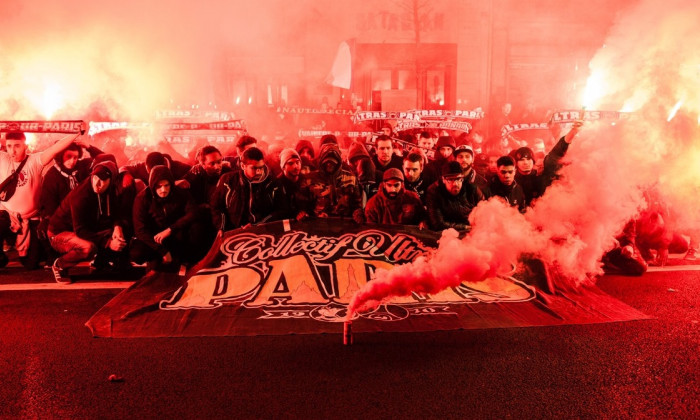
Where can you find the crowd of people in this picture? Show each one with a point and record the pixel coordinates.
(72, 203)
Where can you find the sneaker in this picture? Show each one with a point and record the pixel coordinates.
(690, 255)
(59, 273)
(3, 259)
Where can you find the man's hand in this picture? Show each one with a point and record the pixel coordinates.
(116, 245)
(15, 225)
(302, 216)
(661, 258)
(182, 183)
(569, 137)
(423, 225)
(118, 234)
(117, 242)
(160, 237)
(358, 216)
(627, 251)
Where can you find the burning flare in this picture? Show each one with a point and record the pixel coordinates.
(595, 90)
(674, 110)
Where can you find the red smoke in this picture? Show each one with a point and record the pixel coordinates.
(126, 60)
(648, 68)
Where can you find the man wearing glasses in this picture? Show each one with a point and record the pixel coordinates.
(450, 200)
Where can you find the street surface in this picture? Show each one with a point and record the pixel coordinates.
(51, 367)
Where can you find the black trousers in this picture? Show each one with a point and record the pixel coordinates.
(187, 246)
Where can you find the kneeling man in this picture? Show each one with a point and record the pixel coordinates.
(393, 204)
(87, 224)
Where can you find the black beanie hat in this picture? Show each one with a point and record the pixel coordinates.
(524, 153)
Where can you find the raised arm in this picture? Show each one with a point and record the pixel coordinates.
(48, 154)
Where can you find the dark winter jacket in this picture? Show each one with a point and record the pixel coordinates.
(290, 199)
(534, 184)
(405, 209)
(241, 202)
(59, 181)
(91, 216)
(419, 187)
(202, 186)
(362, 166)
(153, 214)
(513, 194)
(395, 162)
(449, 211)
(474, 178)
(433, 169)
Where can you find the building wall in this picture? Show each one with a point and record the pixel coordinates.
(507, 50)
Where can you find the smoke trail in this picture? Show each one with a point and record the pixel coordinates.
(649, 63)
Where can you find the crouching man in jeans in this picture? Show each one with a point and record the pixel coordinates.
(87, 224)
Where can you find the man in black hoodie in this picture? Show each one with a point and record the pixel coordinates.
(87, 223)
(68, 170)
(141, 171)
(167, 224)
(246, 196)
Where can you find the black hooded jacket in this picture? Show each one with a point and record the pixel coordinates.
(139, 171)
(59, 181)
(91, 216)
(153, 214)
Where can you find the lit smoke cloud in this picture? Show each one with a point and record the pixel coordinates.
(59, 60)
(649, 64)
(124, 60)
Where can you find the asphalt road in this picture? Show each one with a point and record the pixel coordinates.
(51, 367)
